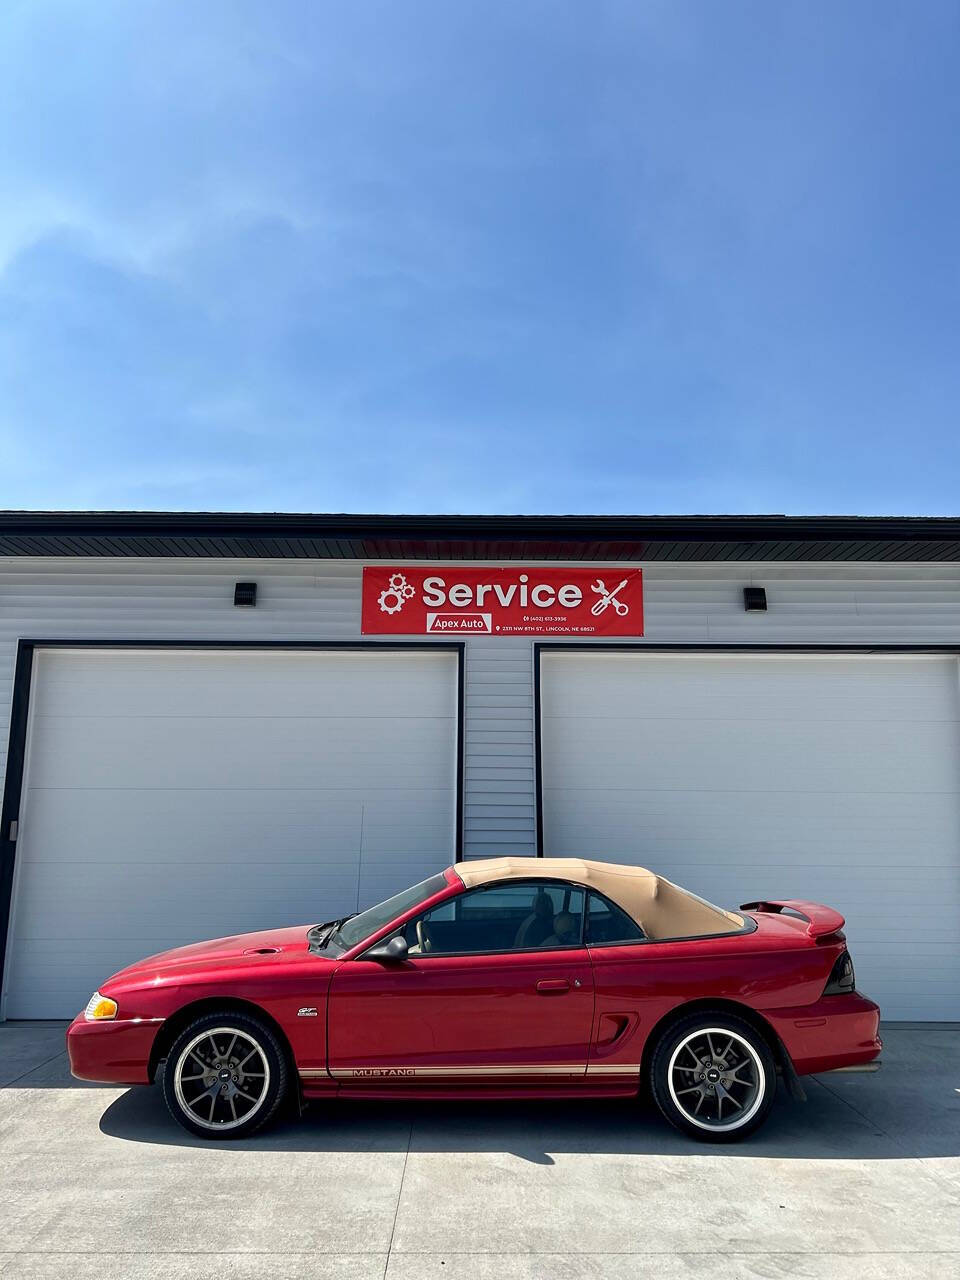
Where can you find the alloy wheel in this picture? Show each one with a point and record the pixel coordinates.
(716, 1079)
(221, 1078)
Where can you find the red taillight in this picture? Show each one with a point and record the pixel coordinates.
(842, 980)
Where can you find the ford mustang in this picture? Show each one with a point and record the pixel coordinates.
(502, 978)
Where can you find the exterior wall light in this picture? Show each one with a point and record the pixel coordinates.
(755, 599)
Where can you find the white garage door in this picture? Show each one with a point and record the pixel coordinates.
(171, 796)
(749, 776)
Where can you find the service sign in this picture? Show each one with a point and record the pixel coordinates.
(519, 601)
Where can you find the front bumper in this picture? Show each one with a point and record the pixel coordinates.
(833, 1033)
(115, 1052)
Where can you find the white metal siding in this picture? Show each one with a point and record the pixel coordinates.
(769, 776)
(499, 790)
(173, 795)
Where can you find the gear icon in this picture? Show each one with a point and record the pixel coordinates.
(399, 591)
(390, 594)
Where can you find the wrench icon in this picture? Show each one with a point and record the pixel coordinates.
(609, 598)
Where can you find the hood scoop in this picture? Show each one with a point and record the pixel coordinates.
(261, 951)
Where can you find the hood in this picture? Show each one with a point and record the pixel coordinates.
(265, 947)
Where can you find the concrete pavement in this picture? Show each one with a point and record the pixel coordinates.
(862, 1181)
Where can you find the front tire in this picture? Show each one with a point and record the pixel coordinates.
(714, 1077)
(225, 1075)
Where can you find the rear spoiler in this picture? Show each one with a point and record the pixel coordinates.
(821, 920)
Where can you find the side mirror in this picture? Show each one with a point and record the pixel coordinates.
(393, 951)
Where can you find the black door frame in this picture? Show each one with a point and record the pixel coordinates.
(20, 717)
(588, 646)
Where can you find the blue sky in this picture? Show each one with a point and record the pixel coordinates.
(452, 256)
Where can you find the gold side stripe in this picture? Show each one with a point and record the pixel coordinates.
(574, 1070)
(354, 1073)
(384, 1073)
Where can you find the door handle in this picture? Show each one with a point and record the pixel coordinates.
(552, 986)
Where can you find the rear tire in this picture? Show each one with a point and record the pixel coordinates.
(225, 1075)
(714, 1077)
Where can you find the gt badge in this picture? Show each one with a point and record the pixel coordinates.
(306, 1013)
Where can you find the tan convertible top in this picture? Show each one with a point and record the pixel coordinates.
(661, 908)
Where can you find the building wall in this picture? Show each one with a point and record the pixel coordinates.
(698, 603)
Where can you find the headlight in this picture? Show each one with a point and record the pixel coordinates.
(100, 1007)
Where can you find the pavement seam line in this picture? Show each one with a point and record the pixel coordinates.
(193, 1253)
(480, 1253)
(917, 1160)
(62, 1053)
(396, 1212)
(857, 1112)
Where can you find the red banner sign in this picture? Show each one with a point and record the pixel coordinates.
(519, 601)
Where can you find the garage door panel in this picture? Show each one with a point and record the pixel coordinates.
(45, 965)
(240, 752)
(283, 684)
(178, 899)
(858, 829)
(300, 824)
(187, 820)
(916, 1007)
(823, 690)
(311, 829)
(117, 828)
(758, 755)
(399, 822)
(834, 779)
(67, 824)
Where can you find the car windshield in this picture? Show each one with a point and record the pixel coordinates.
(356, 928)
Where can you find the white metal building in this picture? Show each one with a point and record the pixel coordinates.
(181, 767)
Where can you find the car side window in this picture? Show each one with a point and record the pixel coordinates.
(607, 923)
(527, 916)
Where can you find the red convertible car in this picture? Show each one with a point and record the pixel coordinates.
(505, 978)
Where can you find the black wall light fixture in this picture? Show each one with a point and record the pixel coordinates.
(755, 599)
(245, 593)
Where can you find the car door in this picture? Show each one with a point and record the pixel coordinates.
(497, 988)
(629, 989)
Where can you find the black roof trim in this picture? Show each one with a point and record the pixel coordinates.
(455, 537)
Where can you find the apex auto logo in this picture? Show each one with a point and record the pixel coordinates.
(502, 601)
